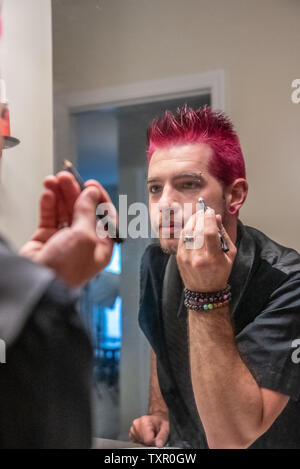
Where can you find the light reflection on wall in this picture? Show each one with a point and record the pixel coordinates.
(115, 263)
(112, 329)
(112, 323)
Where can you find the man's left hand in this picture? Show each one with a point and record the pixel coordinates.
(208, 268)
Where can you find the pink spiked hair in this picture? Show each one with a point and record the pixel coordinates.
(203, 125)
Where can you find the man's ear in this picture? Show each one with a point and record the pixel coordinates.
(235, 195)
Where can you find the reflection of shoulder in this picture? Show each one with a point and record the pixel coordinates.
(278, 256)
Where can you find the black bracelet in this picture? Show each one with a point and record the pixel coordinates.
(208, 297)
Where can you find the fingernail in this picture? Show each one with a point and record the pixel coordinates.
(209, 211)
(159, 443)
(93, 192)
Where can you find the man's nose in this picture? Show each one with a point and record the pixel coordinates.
(168, 199)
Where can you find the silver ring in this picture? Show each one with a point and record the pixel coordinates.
(63, 224)
(188, 238)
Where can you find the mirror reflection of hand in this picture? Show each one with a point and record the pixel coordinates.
(150, 430)
(74, 252)
(205, 269)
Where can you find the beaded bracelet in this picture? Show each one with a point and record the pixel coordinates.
(206, 307)
(209, 297)
(199, 301)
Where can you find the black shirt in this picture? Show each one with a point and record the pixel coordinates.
(265, 283)
(45, 383)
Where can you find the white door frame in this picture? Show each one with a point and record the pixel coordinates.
(66, 104)
(154, 90)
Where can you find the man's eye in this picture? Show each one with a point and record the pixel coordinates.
(190, 185)
(154, 189)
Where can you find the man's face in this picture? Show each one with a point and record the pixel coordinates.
(179, 175)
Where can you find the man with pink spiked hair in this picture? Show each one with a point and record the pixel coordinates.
(220, 301)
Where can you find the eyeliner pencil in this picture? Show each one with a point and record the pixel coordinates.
(68, 166)
(71, 169)
(223, 242)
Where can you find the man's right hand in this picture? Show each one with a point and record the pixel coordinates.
(76, 253)
(150, 430)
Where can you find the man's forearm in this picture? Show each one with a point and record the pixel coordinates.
(157, 405)
(228, 399)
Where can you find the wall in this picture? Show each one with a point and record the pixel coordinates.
(26, 66)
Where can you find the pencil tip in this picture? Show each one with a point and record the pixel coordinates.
(67, 164)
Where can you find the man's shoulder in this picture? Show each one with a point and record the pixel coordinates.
(22, 285)
(20, 269)
(276, 255)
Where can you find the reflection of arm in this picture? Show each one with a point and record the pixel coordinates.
(234, 410)
(157, 405)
